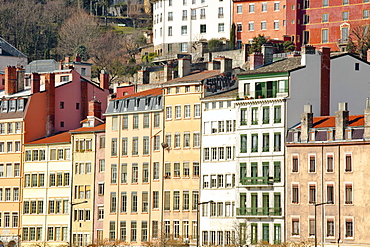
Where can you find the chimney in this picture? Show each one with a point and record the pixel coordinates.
(50, 103)
(67, 59)
(255, 60)
(307, 50)
(104, 79)
(268, 53)
(61, 64)
(94, 109)
(10, 80)
(294, 54)
(306, 123)
(77, 58)
(325, 82)
(20, 79)
(225, 64)
(214, 65)
(367, 120)
(144, 76)
(341, 121)
(168, 72)
(183, 67)
(368, 55)
(35, 83)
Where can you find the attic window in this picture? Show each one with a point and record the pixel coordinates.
(357, 66)
(13, 104)
(158, 100)
(115, 104)
(126, 103)
(137, 101)
(147, 101)
(4, 106)
(20, 104)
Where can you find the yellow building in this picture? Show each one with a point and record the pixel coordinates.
(133, 177)
(46, 191)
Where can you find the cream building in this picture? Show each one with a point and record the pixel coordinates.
(46, 191)
(133, 175)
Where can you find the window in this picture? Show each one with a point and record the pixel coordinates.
(345, 16)
(197, 110)
(113, 174)
(124, 202)
(184, 15)
(349, 228)
(202, 13)
(167, 198)
(265, 142)
(348, 167)
(133, 202)
(348, 194)
(186, 169)
(276, 25)
(330, 193)
(365, 14)
(196, 170)
(239, 27)
(306, 19)
(112, 231)
(125, 122)
(295, 194)
(177, 140)
(330, 228)
(277, 142)
(276, 6)
(220, 12)
(168, 112)
(345, 2)
(114, 147)
(170, 16)
(239, 9)
(243, 143)
(155, 199)
(221, 27)
(187, 111)
(176, 200)
(312, 163)
(156, 170)
(124, 146)
(251, 8)
(295, 227)
(196, 139)
(251, 26)
(135, 122)
(254, 144)
(325, 36)
(277, 114)
(325, 3)
(176, 170)
(135, 146)
(325, 18)
(264, 7)
(312, 194)
(178, 112)
(145, 145)
(135, 173)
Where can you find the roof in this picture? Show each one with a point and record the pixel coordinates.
(64, 137)
(194, 77)
(283, 65)
(42, 66)
(98, 128)
(150, 92)
(223, 95)
(9, 50)
(329, 122)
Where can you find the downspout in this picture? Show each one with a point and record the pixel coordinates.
(339, 199)
(322, 196)
(163, 152)
(119, 141)
(149, 175)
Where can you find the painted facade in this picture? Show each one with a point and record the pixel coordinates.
(46, 197)
(177, 25)
(218, 169)
(325, 159)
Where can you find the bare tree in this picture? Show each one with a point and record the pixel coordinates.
(359, 40)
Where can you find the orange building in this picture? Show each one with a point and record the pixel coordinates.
(253, 17)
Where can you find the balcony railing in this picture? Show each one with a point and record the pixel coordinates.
(257, 180)
(258, 211)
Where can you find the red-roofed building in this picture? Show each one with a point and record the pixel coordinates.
(327, 174)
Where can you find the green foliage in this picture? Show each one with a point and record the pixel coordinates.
(215, 45)
(232, 37)
(288, 46)
(82, 51)
(149, 58)
(257, 43)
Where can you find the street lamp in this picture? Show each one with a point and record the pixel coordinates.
(319, 204)
(70, 220)
(200, 203)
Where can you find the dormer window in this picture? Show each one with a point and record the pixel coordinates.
(147, 101)
(125, 104)
(158, 100)
(4, 106)
(137, 102)
(83, 71)
(64, 78)
(115, 104)
(20, 105)
(12, 105)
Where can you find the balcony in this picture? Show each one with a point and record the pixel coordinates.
(258, 212)
(257, 181)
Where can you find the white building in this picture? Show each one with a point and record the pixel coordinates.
(46, 194)
(178, 24)
(271, 98)
(218, 168)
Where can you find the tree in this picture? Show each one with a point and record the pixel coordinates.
(232, 36)
(257, 43)
(288, 46)
(77, 31)
(215, 45)
(359, 40)
(132, 42)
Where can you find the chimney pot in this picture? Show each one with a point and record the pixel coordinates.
(341, 120)
(104, 79)
(184, 67)
(306, 123)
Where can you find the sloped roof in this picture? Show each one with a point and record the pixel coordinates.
(193, 77)
(329, 122)
(283, 65)
(9, 50)
(98, 128)
(224, 95)
(64, 137)
(149, 92)
(39, 66)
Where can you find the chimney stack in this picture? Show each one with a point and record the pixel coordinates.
(77, 58)
(306, 123)
(20, 79)
(67, 59)
(341, 121)
(307, 50)
(325, 82)
(50, 103)
(61, 64)
(214, 65)
(10, 80)
(268, 53)
(104, 79)
(255, 60)
(367, 120)
(168, 72)
(183, 67)
(225, 64)
(95, 108)
(35, 83)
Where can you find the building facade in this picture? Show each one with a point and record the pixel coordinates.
(192, 20)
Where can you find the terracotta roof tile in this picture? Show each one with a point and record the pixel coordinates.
(90, 129)
(329, 121)
(63, 137)
(151, 92)
(194, 77)
(283, 65)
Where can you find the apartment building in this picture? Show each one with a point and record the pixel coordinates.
(326, 23)
(326, 177)
(33, 107)
(134, 173)
(87, 208)
(252, 18)
(46, 197)
(178, 25)
(10, 56)
(218, 168)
